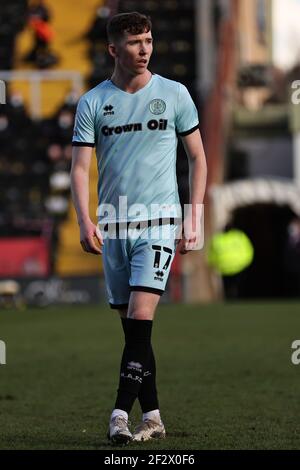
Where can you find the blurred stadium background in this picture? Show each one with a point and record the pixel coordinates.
(239, 59)
(239, 63)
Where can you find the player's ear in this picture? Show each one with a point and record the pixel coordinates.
(112, 50)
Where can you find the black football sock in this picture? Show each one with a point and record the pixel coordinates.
(148, 393)
(124, 326)
(134, 361)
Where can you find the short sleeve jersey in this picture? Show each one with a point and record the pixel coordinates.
(135, 135)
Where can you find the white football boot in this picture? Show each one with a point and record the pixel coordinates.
(149, 429)
(118, 432)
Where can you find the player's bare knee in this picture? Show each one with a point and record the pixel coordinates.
(141, 314)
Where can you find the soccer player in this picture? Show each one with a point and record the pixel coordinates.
(133, 119)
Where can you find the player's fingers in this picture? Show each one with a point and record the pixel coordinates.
(90, 246)
(93, 248)
(181, 247)
(191, 238)
(99, 236)
(191, 244)
(83, 245)
(188, 246)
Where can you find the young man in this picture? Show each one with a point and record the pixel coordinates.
(133, 120)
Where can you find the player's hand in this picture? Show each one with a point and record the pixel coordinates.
(191, 236)
(88, 233)
(187, 244)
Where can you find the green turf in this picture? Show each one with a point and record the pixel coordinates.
(225, 377)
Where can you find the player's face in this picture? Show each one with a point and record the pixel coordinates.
(133, 52)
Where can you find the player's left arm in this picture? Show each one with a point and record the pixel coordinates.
(197, 183)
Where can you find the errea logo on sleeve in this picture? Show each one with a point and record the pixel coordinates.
(2, 353)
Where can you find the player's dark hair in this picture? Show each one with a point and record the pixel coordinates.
(132, 23)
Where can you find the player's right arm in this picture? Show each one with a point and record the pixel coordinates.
(81, 160)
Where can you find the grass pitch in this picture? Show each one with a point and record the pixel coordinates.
(225, 377)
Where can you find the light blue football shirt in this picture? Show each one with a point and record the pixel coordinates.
(135, 135)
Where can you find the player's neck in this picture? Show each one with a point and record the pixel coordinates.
(130, 83)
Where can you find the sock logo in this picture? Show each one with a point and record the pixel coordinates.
(134, 365)
(135, 378)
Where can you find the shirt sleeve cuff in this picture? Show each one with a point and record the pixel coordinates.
(190, 131)
(82, 144)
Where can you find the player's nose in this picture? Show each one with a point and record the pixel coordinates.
(143, 49)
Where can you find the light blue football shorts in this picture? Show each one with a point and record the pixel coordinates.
(137, 259)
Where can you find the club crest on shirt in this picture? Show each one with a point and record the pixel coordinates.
(157, 106)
